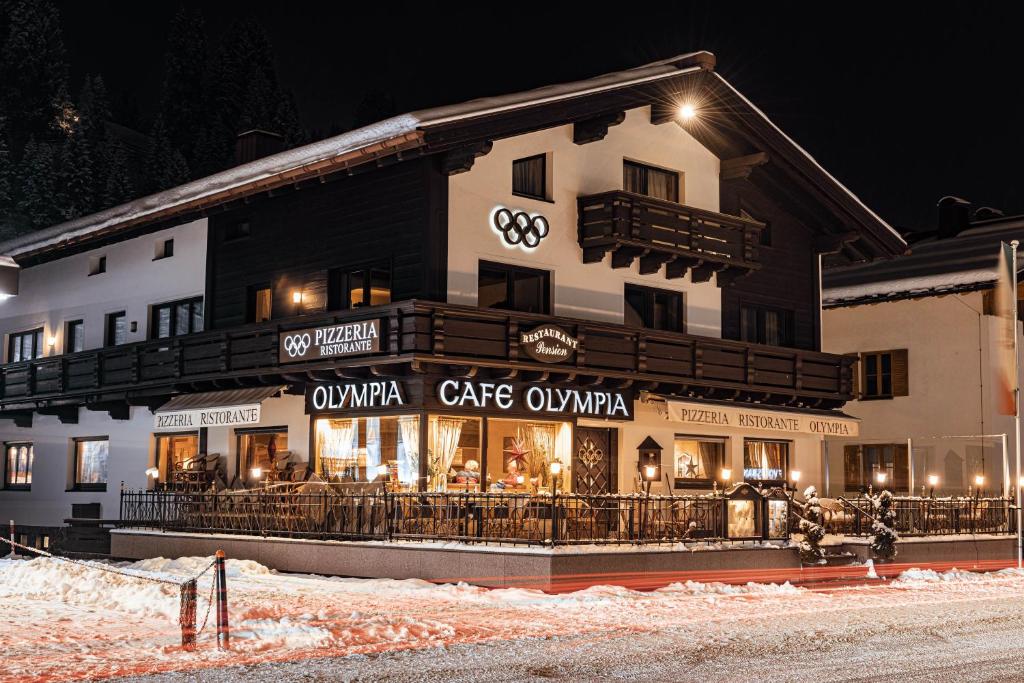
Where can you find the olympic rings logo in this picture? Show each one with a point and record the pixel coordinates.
(296, 344)
(521, 228)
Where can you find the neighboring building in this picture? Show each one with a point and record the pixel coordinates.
(924, 332)
(461, 293)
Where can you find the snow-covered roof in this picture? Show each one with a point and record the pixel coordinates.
(933, 267)
(397, 134)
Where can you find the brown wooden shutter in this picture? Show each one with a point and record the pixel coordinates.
(900, 373)
(851, 467)
(901, 468)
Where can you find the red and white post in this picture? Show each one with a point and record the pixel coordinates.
(223, 632)
(11, 554)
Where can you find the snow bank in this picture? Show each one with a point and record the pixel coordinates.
(185, 567)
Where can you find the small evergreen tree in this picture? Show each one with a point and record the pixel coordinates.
(76, 175)
(39, 189)
(165, 166)
(6, 174)
(183, 94)
(813, 529)
(883, 540)
(118, 187)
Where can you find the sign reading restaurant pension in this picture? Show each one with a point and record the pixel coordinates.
(207, 417)
(765, 420)
(333, 341)
(548, 344)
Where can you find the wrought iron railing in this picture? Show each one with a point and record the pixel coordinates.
(516, 519)
(924, 516)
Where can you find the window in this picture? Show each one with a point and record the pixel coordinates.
(766, 461)
(261, 301)
(97, 265)
(357, 449)
(358, 287)
(862, 464)
(91, 463)
(172, 450)
(237, 231)
(18, 469)
(259, 450)
(698, 461)
(25, 345)
(884, 374)
(529, 177)
(764, 325)
(74, 336)
(648, 180)
(655, 309)
(117, 329)
(164, 249)
(514, 288)
(176, 317)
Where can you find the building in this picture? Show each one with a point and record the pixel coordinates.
(452, 299)
(923, 329)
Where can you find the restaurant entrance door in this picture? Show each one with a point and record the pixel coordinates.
(594, 461)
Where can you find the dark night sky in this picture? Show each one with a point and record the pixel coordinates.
(903, 104)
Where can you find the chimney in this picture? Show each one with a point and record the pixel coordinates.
(954, 216)
(256, 144)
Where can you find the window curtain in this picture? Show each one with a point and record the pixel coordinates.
(334, 440)
(528, 176)
(710, 454)
(92, 462)
(444, 441)
(372, 445)
(409, 462)
(662, 185)
(765, 460)
(540, 439)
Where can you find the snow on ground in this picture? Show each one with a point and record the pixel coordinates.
(68, 622)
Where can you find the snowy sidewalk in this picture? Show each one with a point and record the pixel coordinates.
(64, 622)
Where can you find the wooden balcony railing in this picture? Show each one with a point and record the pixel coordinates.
(660, 232)
(427, 332)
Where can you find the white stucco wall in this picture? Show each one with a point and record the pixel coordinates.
(591, 291)
(53, 293)
(949, 346)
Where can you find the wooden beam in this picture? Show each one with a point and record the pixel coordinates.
(651, 263)
(834, 244)
(118, 410)
(726, 277)
(461, 159)
(704, 272)
(66, 414)
(741, 167)
(678, 267)
(623, 256)
(22, 418)
(596, 128)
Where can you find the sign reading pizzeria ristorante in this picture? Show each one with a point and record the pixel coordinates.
(333, 341)
(763, 420)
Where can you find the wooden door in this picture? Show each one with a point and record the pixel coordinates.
(594, 461)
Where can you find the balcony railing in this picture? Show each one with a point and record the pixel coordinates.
(660, 232)
(434, 333)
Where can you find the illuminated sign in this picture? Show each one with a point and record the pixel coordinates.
(762, 420)
(345, 339)
(518, 228)
(548, 344)
(504, 396)
(207, 417)
(354, 395)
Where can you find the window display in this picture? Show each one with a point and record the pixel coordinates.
(697, 460)
(520, 453)
(365, 448)
(766, 461)
(259, 450)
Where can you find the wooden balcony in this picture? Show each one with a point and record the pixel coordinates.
(417, 336)
(662, 233)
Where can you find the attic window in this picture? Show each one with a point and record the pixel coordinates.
(97, 265)
(164, 249)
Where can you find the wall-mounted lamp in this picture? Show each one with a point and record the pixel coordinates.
(795, 476)
(687, 111)
(555, 468)
(725, 475)
(880, 477)
(979, 480)
(51, 341)
(256, 472)
(152, 473)
(296, 296)
(933, 481)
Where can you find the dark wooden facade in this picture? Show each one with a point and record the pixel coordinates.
(394, 217)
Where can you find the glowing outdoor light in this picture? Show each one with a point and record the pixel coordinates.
(556, 468)
(726, 474)
(933, 480)
(795, 476)
(51, 341)
(880, 477)
(650, 471)
(256, 472)
(979, 480)
(296, 297)
(152, 473)
(687, 112)
(1020, 481)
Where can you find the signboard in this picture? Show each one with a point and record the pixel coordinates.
(333, 341)
(543, 400)
(328, 396)
(548, 344)
(227, 416)
(761, 420)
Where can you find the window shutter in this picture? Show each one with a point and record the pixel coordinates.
(856, 381)
(901, 468)
(851, 467)
(900, 373)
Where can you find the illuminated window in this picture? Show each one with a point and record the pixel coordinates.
(18, 469)
(25, 345)
(520, 453)
(261, 301)
(172, 451)
(697, 460)
(766, 461)
(74, 336)
(367, 448)
(358, 287)
(91, 463)
(260, 448)
(117, 328)
(176, 318)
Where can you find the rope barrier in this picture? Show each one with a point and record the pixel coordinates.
(187, 589)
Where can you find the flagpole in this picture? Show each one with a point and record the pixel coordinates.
(1016, 403)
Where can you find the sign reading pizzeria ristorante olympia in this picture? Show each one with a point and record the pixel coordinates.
(548, 344)
(764, 420)
(333, 341)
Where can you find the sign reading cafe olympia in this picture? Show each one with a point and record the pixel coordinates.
(345, 339)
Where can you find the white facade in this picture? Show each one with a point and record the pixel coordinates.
(950, 344)
(592, 291)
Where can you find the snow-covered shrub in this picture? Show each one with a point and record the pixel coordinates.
(884, 537)
(812, 527)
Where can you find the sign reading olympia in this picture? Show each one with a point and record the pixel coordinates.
(333, 341)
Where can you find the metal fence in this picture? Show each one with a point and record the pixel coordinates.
(517, 519)
(924, 516)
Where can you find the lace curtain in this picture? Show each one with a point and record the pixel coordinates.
(334, 444)
(409, 460)
(444, 441)
(92, 462)
(540, 439)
